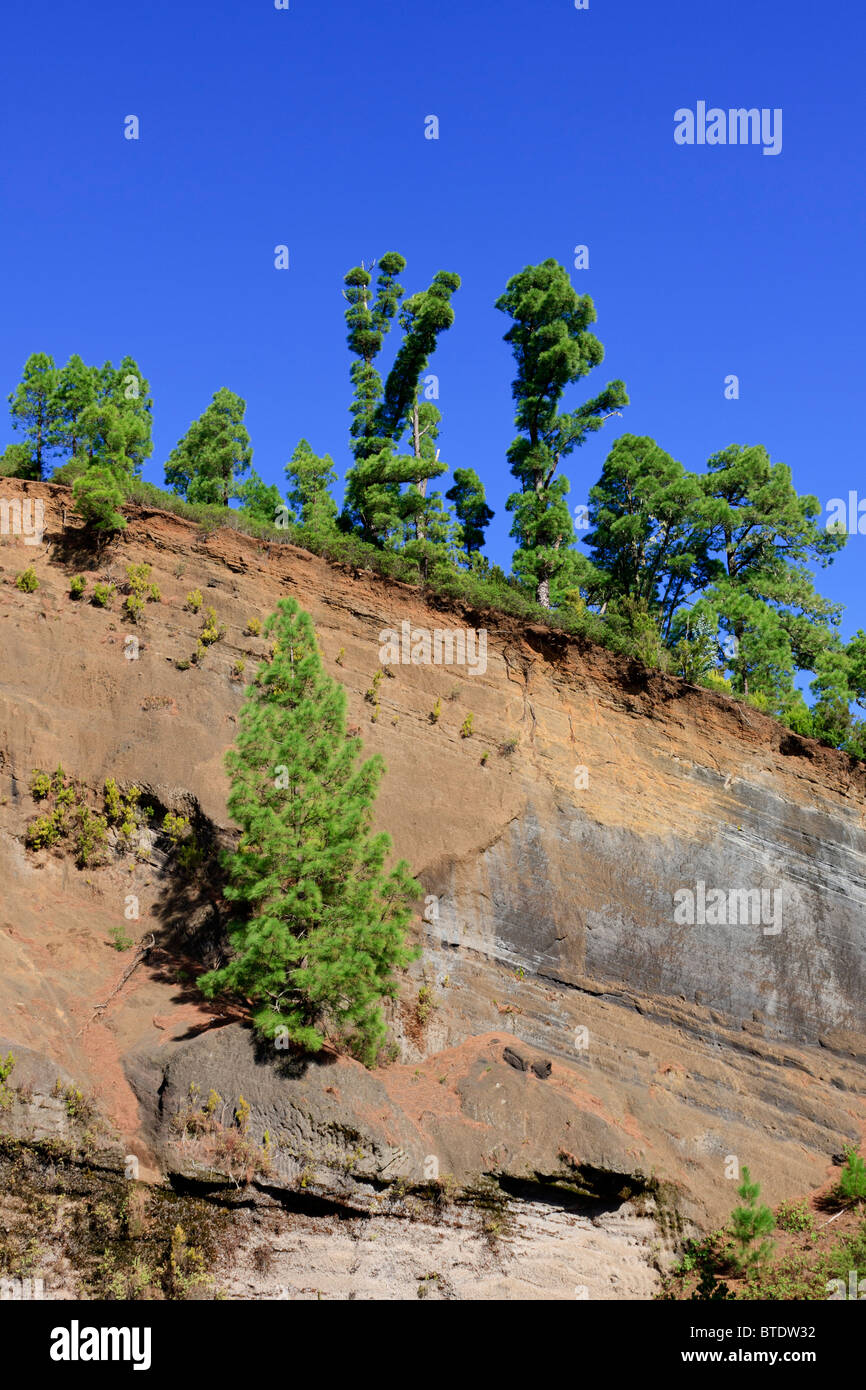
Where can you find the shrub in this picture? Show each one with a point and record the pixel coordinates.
(27, 581)
(425, 1005)
(254, 627)
(176, 827)
(7, 1095)
(372, 695)
(466, 727)
(794, 1216)
(133, 607)
(119, 940)
(77, 585)
(103, 593)
(91, 834)
(194, 600)
(211, 631)
(508, 747)
(40, 785)
(238, 669)
(436, 712)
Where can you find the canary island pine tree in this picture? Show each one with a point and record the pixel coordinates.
(323, 922)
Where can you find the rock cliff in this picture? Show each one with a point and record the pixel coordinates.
(643, 932)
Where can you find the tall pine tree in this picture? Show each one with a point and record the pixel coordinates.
(323, 923)
(553, 348)
(214, 454)
(767, 534)
(35, 410)
(310, 478)
(471, 510)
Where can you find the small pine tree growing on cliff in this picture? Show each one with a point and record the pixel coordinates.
(750, 1223)
(323, 926)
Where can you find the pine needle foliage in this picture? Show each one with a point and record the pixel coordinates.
(323, 922)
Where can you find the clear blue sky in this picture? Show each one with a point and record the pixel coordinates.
(306, 127)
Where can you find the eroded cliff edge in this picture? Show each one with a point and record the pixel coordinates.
(550, 932)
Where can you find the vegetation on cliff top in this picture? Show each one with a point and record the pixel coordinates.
(705, 574)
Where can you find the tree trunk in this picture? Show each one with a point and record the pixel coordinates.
(542, 593)
(422, 486)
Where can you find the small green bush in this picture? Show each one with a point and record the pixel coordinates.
(194, 600)
(27, 581)
(794, 1216)
(466, 727)
(254, 627)
(77, 585)
(103, 593)
(211, 631)
(40, 785)
(7, 1095)
(119, 940)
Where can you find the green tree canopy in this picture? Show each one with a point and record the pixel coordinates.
(767, 535)
(553, 348)
(310, 480)
(34, 408)
(214, 454)
(260, 501)
(650, 531)
(470, 508)
(76, 390)
(322, 924)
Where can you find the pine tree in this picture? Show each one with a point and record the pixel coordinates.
(423, 317)
(372, 494)
(17, 461)
(111, 438)
(323, 922)
(310, 479)
(34, 408)
(766, 533)
(214, 453)
(98, 497)
(471, 509)
(650, 530)
(130, 392)
(751, 1223)
(76, 390)
(553, 348)
(260, 501)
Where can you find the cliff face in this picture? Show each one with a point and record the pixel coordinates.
(655, 890)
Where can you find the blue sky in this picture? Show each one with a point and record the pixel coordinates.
(306, 127)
